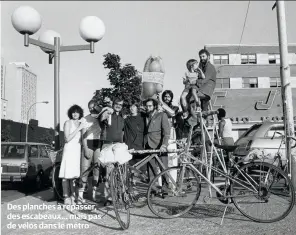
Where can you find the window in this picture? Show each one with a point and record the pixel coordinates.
(273, 58)
(248, 59)
(43, 152)
(34, 151)
(272, 132)
(275, 82)
(223, 83)
(252, 130)
(250, 82)
(221, 59)
(13, 151)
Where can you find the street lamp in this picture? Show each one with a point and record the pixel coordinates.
(42, 102)
(27, 21)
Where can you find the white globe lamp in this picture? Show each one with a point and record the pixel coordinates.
(92, 29)
(48, 37)
(26, 20)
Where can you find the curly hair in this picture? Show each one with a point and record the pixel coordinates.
(155, 103)
(75, 109)
(171, 94)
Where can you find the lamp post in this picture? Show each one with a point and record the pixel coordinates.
(42, 102)
(27, 21)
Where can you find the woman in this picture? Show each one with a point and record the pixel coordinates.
(70, 166)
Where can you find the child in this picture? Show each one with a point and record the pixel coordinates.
(192, 82)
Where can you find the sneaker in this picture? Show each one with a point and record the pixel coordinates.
(80, 200)
(67, 201)
(72, 200)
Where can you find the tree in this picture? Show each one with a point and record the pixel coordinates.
(47, 137)
(124, 79)
(6, 134)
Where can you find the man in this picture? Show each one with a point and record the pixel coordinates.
(225, 128)
(208, 85)
(112, 133)
(91, 148)
(157, 133)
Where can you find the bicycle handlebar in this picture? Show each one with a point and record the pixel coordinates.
(154, 151)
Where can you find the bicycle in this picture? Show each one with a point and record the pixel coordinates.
(251, 187)
(278, 156)
(126, 184)
(123, 186)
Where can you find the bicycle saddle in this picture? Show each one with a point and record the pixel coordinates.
(227, 148)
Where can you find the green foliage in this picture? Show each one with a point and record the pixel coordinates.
(125, 81)
(6, 134)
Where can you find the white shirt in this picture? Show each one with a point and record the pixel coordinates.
(93, 129)
(227, 131)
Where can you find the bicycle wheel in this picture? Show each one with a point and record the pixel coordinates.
(57, 182)
(173, 199)
(138, 185)
(265, 193)
(120, 195)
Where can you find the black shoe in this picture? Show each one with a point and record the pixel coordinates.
(108, 203)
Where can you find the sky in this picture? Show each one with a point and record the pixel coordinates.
(173, 30)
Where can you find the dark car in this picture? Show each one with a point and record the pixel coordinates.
(26, 162)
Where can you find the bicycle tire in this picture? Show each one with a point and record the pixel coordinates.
(171, 211)
(268, 179)
(117, 194)
(57, 182)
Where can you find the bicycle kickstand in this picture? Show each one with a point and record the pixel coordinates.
(224, 212)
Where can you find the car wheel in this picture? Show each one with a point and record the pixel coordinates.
(39, 182)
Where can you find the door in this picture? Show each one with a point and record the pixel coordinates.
(33, 161)
(45, 160)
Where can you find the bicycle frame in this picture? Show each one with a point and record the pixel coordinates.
(226, 175)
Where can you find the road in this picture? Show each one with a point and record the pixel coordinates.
(202, 219)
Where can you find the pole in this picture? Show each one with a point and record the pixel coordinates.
(57, 92)
(286, 88)
(27, 126)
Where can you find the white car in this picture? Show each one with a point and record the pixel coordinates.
(262, 140)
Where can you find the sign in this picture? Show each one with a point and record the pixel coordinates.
(269, 101)
(154, 77)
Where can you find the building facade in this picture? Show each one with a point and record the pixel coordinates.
(248, 82)
(20, 91)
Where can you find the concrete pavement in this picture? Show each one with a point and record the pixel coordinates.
(202, 219)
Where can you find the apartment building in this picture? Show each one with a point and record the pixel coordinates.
(248, 82)
(20, 91)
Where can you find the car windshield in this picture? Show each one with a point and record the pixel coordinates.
(12, 151)
(276, 132)
(252, 130)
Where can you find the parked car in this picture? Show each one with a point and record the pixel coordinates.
(262, 137)
(26, 162)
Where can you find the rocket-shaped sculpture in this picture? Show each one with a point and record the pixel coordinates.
(152, 81)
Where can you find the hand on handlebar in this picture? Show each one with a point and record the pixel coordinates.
(163, 148)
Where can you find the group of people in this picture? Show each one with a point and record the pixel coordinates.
(156, 128)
